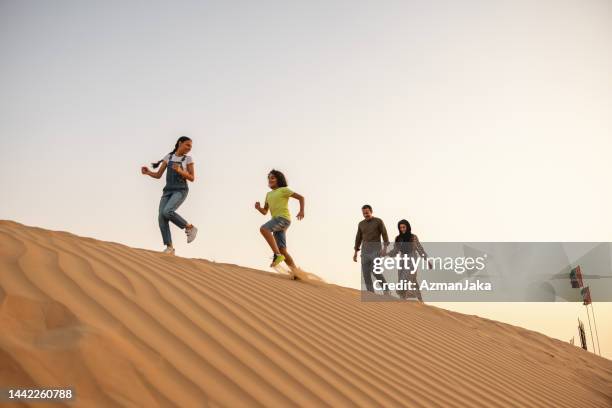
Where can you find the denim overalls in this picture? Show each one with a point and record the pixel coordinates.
(175, 192)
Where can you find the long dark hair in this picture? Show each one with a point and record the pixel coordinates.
(178, 142)
(281, 181)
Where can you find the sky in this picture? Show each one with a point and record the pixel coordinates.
(475, 120)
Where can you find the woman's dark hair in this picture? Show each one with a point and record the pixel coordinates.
(406, 240)
(281, 181)
(178, 142)
(408, 233)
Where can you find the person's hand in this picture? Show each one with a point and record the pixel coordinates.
(179, 169)
(300, 215)
(144, 170)
(383, 251)
(258, 206)
(355, 257)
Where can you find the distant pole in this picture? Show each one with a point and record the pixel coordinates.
(595, 324)
(583, 341)
(590, 330)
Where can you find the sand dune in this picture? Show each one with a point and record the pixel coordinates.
(131, 327)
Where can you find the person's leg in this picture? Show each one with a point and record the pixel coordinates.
(402, 277)
(269, 237)
(288, 258)
(281, 240)
(381, 277)
(366, 271)
(164, 226)
(274, 233)
(378, 276)
(416, 292)
(176, 198)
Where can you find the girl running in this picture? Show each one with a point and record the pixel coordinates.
(274, 231)
(180, 169)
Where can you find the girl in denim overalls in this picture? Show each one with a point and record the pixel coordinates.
(180, 169)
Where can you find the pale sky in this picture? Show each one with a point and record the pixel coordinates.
(475, 120)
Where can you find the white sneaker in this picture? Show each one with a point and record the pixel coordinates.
(168, 251)
(191, 234)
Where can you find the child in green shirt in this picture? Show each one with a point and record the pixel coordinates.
(274, 231)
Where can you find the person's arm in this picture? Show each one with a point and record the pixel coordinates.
(358, 239)
(155, 174)
(395, 249)
(383, 231)
(300, 198)
(188, 174)
(421, 251)
(419, 248)
(264, 209)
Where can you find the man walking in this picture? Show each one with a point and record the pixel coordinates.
(369, 232)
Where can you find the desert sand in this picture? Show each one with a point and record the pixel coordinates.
(135, 328)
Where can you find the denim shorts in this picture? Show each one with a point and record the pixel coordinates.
(278, 226)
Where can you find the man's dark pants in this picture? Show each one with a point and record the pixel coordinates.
(367, 269)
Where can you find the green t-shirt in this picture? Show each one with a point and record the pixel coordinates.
(278, 202)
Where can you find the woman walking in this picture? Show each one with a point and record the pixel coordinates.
(180, 170)
(407, 243)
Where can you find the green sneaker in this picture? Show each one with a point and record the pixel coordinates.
(278, 258)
